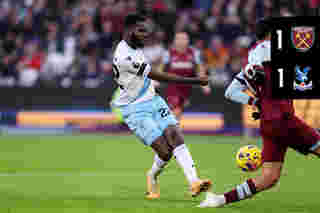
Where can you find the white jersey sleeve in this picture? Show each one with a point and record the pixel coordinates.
(260, 54)
(235, 90)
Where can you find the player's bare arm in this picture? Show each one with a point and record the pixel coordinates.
(172, 78)
(163, 75)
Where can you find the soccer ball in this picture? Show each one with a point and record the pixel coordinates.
(249, 158)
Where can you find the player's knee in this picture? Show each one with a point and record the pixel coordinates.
(170, 129)
(174, 136)
(161, 147)
(165, 156)
(270, 180)
(273, 181)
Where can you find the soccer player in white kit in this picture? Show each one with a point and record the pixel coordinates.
(145, 112)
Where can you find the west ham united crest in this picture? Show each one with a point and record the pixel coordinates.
(302, 38)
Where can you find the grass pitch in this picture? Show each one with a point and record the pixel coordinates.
(90, 173)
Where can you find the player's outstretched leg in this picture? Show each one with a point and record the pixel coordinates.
(153, 190)
(185, 161)
(270, 175)
(161, 159)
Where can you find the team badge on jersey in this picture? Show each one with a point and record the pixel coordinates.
(302, 80)
(302, 38)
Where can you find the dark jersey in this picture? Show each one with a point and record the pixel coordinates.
(182, 64)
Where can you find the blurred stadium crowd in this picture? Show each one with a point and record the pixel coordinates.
(68, 43)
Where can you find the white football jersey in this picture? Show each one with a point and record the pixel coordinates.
(131, 70)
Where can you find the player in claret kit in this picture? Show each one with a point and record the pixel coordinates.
(280, 128)
(185, 61)
(145, 112)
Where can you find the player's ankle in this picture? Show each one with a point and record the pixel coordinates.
(241, 192)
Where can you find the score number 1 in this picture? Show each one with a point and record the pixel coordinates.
(279, 34)
(280, 70)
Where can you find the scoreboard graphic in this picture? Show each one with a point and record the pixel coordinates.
(295, 51)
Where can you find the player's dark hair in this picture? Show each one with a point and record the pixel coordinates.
(129, 21)
(133, 19)
(263, 28)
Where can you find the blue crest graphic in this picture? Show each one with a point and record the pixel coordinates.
(302, 82)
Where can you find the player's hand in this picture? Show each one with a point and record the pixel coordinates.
(204, 80)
